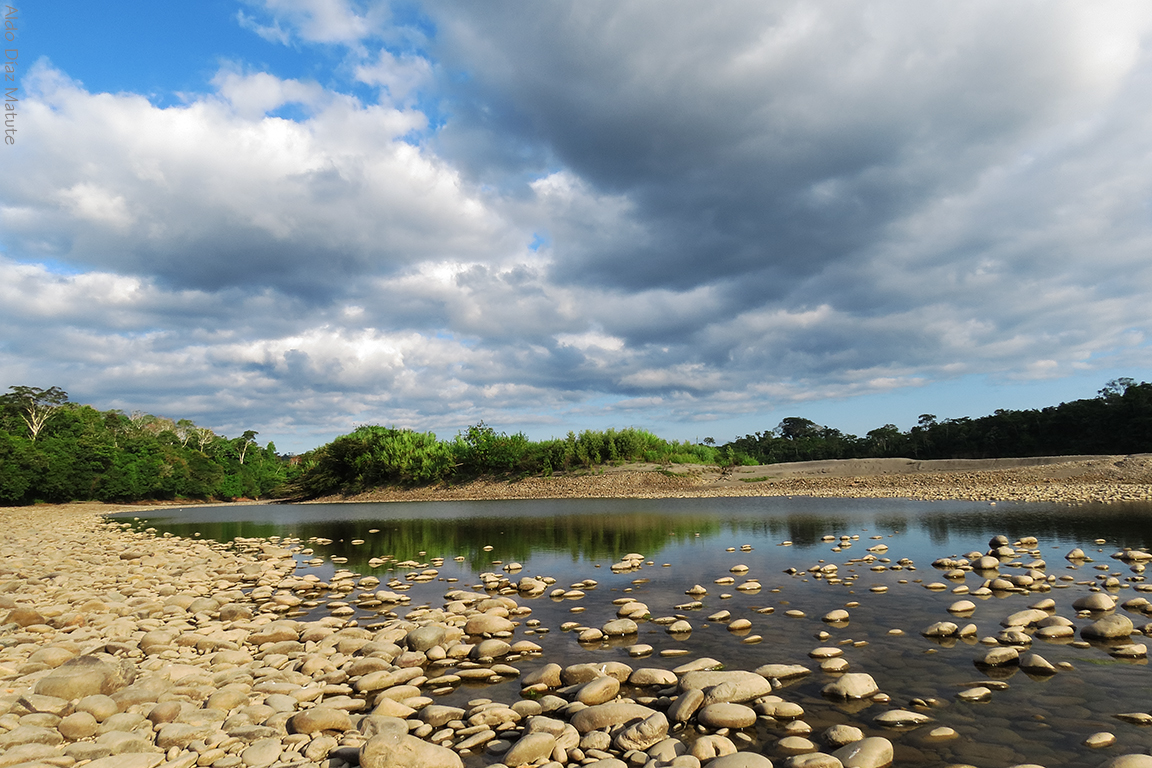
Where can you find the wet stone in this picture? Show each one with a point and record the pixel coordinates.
(872, 752)
(726, 715)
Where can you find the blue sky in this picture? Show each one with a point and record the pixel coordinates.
(300, 215)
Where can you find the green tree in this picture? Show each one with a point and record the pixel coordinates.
(36, 406)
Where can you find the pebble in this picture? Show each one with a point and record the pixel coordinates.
(1100, 740)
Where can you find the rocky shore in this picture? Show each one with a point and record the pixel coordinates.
(120, 649)
(1077, 479)
(128, 649)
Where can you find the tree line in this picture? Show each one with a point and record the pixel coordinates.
(1117, 421)
(55, 450)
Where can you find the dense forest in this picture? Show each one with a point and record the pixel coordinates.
(55, 450)
(1117, 421)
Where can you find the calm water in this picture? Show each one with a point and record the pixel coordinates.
(1033, 720)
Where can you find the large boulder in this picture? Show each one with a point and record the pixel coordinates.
(86, 676)
(1109, 628)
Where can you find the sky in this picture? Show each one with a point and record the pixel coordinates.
(296, 216)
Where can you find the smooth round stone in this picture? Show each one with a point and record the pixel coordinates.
(797, 728)
(836, 616)
(726, 715)
(227, 700)
(646, 676)
(1130, 651)
(825, 653)
(78, 725)
(940, 629)
(739, 625)
(620, 628)
(686, 705)
(896, 718)
(103, 707)
(1109, 628)
(841, 734)
(872, 752)
(643, 735)
(395, 748)
(834, 665)
(999, 657)
(795, 745)
(320, 719)
(530, 747)
(1128, 761)
(772, 706)
(262, 753)
(1100, 740)
(80, 677)
(1054, 631)
(854, 685)
(598, 691)
(1095, 601)
(741, 760)
(31, 754)
(611, 714)
(782, 671)
(487, 624)
(978, 693)
(548, 675)
(1036, 664)
(1025, 618)
(492, 648)
(943, 733)
(962, 606)
(794, 613)
(437, 715)
(812, 760)
(639, 650)
(679, 627)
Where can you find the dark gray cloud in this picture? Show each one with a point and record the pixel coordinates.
(771, 140)
(572, 214)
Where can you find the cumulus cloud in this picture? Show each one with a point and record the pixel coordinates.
(548, 213)
(219, 192)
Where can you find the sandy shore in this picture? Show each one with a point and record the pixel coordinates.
(1073, 479)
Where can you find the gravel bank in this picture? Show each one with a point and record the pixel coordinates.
(121, 649)
(1082, 479)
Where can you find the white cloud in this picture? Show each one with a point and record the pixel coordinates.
(316, 21)
(402, 76)
(610, 211)
(216, 192)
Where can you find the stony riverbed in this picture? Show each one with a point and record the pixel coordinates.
(122, 648)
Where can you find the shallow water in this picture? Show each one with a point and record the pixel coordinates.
(1033, 720)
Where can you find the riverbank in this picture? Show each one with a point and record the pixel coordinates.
(1071, 479)
(122, 648)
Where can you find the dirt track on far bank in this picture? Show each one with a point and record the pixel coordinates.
(1060, 479)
